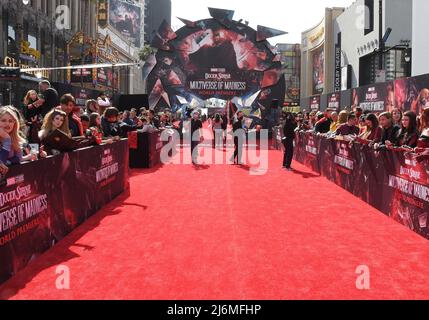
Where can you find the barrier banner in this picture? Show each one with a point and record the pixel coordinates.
(147, 154)
(392, 182)
(26, 209)
(43, 201)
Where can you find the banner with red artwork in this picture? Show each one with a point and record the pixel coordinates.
(394, 183)
(43, 201)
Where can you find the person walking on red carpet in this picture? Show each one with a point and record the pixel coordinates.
(239, 136)
(196, 135)
(288, 140)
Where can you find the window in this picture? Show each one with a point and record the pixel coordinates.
(11, 32)
(369, 16)
(11, 36)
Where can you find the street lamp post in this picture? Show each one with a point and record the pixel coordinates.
(19, 36)
(380, 35)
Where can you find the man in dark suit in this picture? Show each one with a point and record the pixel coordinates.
(50, 98)
(239, 136)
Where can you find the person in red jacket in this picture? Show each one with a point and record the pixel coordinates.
(67, 104)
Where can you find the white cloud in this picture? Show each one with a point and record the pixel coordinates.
(293, 16)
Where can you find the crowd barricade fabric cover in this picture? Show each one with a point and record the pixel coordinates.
(43, 201)
(392, 182)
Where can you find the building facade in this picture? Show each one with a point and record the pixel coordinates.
(363, 57)
(155, 12)
(420, 44)
(119, 41)
(290, 55)
(317, 51)
(54, 33)
(35, 35)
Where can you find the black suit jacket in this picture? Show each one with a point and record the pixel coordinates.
(237, 125)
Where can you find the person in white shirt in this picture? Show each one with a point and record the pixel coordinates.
(103, 102)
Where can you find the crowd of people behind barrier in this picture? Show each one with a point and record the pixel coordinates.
(47, 125)
(395, 131)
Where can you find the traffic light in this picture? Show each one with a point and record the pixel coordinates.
(9, 74)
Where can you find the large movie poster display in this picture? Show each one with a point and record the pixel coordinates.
(412, 93)
(43, 201)
(208, 59)
(125, 17)
(334, 101)
(319, 70)
(378, 97)
(315, 103)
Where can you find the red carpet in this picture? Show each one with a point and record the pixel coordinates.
(219, 233)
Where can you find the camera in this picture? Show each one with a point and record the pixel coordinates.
(89, 133)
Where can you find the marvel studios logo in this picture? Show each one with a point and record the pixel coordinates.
(218, 70)
(15, 180)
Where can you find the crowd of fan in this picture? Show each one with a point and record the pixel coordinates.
(24, 132)
(395, 131)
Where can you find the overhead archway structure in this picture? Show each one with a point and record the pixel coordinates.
(216, 58)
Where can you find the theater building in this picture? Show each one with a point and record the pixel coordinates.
(119, 41)
(358, 41)
(317, 56)
(290, 55)
(29, 37)
(155, 12)
(420, 42)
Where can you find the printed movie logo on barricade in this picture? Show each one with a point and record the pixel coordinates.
(14, 195)
(409, 187)
(18, 206)
(109, 169)
(410, 173)
(343, 157)
(311, 146)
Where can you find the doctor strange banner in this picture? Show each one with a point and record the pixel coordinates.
(207, 59)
